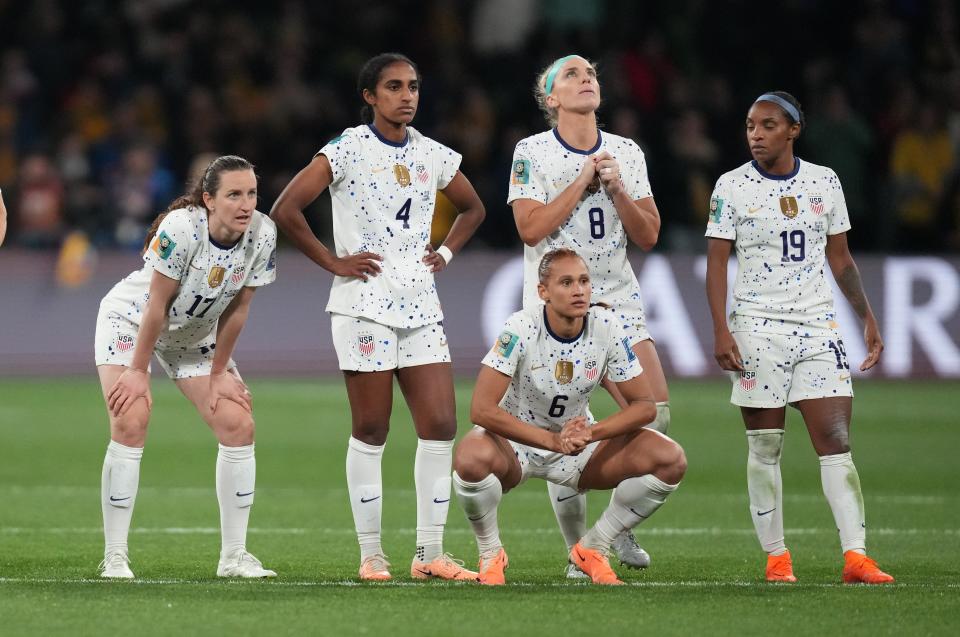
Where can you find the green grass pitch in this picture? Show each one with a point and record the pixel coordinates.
(707, 569)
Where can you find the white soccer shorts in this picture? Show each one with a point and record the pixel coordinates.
(367, 346)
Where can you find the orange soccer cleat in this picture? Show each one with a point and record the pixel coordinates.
(492, 568)
(858, 568)
(375, 568)
(780, 568)
(594, 563)
(443, 567)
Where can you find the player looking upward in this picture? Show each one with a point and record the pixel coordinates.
(573, 186)
(383, 177)
(785, 217)
(203, 260)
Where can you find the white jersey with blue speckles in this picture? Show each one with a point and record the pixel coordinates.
(543, 167)
(780, 226)
(554, 377)
(210, 275)
(384, 195)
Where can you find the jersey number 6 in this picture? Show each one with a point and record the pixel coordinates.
(557, 407)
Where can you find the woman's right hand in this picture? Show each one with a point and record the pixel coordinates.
(588, 175)
(574, 437)
(726, 352)
(361, 265)
(132, 384)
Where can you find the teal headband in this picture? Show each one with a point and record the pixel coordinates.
(782, 103)
(552, 73)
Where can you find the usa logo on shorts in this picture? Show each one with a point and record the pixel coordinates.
(591, 369)
(366, 344)
(124, 343)
(816, 204)
(748, 380)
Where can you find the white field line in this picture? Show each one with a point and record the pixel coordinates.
(642, 532)
(72, 490)
(279, 584)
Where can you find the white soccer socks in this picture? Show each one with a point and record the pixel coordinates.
(365, 486)
(841, 486)
(634, 500)
(570, 507)
(236, 479)
(765, 487)
(479, 501)
(118, 493)
(431, 474)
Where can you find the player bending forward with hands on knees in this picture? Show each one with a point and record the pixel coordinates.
(530, 407)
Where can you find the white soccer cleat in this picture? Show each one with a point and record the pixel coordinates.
(242, 564)
(629, 552)
(572, 572)
(116, 566)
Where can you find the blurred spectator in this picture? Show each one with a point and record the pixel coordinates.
(39, 208)
(691, 150)
(139, 190)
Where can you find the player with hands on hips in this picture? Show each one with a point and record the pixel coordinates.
(383, 178)
(203, 260)
(530, 407)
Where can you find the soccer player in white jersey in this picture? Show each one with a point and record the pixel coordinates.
(203, 260)
(785, 217)
(3, 220)
(383, 178)
(573, 186)
(531, 407)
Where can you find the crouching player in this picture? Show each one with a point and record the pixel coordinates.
(530, 405)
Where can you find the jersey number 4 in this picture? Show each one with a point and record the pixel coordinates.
(404, 214)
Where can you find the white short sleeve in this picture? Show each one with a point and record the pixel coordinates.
(342, 152)
(622, 361)
(511, 345)
(264, 270)
(634, 172)
(448, 163)
(839, 217)
(722, 221)
(526, 182)
(169, 251)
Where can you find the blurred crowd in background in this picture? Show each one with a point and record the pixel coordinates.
(107, 107)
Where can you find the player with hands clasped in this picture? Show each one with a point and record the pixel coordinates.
(203, 260)
(577, 187)
(530, 407)
(785, 218)
(383, 178)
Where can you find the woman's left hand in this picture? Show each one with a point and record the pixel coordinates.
(608, 170)
(228, 386)
(871, 336)
(434, 259)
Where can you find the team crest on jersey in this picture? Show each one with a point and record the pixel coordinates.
(716, 208)
(237, 275)
(402, 173)
(163, 245)
(366, 344)
(215, 278)
(789, 207)
(422, 175)
(563, 372)
(748, 380)
(816, 204)
(591, 369)
(124, 343)
(521, 172)
(631, 355)
(505, 343)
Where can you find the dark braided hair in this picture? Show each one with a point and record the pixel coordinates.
(209, 182)
(370, 76)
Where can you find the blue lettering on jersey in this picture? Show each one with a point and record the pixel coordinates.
(631, 356)
(272, 261)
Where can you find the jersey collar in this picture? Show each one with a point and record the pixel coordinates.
(406, 137)
(765, 174)
(596, 147)
(556, 336)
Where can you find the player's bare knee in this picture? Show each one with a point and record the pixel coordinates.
(474, 458)
(235, 429)
(833, 439)
(442, 429)
(672, 463)
(371, 432)
(131, 428)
